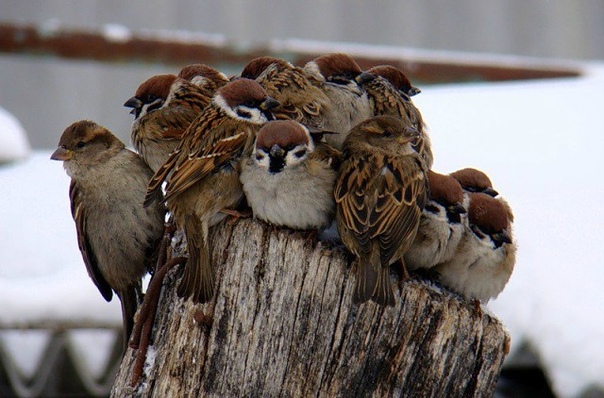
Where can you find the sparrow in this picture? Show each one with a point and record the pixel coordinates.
(397, 78)
(288, 180)
(202, 174)
(486, 254)
(385, 98)
(204, 76)
(473, 180)
(441, 225)
(300, 99)
(117, 236)
(335, 74)
(380, 192)
(163, 107)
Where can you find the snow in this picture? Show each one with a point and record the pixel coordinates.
(13, 138)
(116, 33)
(540, 141)
(42, 274)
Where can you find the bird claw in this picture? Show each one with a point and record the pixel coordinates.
(236, 214)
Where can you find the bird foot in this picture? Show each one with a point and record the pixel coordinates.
(237, 214)
(403, 274)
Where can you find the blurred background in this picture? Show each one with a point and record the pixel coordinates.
(65, 60)
(59, 91)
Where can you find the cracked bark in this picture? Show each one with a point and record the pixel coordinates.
(283, 324)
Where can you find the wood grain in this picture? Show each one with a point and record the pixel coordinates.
(283, 324)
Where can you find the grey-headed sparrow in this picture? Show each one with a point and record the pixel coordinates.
(486, 254)
(441, 226)
(163, 107)
(380, 192)
(288, 180)
(202, 173)
(335, 74)
(385, 98)
(299, 98)
(117, 236)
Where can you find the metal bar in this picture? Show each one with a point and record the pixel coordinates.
(181, 48)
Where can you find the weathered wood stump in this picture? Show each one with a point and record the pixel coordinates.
(283, 324)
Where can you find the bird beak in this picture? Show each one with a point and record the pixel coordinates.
(268, 104)
(413, 91)
(411, 134)
(277, 151)
(503, 237)
(491, 192)
(135, 104)
(364, 77)
(457, 208)
(62, 154)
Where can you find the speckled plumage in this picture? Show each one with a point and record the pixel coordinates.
(202, 173)
(380, 192)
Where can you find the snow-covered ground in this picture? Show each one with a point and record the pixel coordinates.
(540, 141)
(13, 139)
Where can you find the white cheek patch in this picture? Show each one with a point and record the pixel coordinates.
(218, 100)
(264, 159)
(256, 116)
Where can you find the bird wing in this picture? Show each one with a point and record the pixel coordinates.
(90, 259)
(209, 120)
(402, 193)
(351, 194)
(328, 154)
(300, 100)
(173, 121)
(209, 152)
(383, 204)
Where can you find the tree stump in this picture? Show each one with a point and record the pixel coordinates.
(283, 324)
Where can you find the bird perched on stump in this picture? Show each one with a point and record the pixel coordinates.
(202, 174)
(380, 192)
(117, 236)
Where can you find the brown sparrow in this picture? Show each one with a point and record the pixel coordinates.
(385, 98)
(486, 254)
(473, 180)
(380, 192)
(202, 174)
(335, 74)
(288, 180)
(163, 108)
(397, 78)
(117, 236)
(300, 99)
(441, 225)
(204, 76)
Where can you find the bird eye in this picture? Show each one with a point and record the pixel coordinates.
(250, 103)
(387, 133)
(150, 97)
(80, 144)
(300, 153)
(259, 156)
